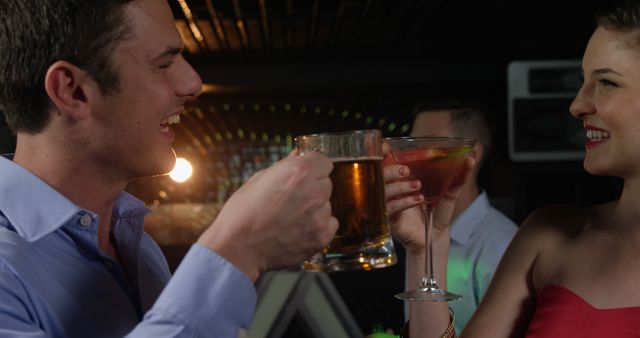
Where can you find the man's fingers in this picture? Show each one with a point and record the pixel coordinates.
(319, 164)
(325, 225)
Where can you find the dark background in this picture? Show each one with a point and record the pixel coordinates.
(276, 69)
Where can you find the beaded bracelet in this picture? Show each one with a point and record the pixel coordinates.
(450, 332)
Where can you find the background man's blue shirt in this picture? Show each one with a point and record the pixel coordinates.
(56, 282)
(479, 237)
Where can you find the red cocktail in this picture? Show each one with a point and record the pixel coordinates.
(435, 161)
(435, 167)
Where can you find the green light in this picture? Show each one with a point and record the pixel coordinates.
(278, 138)
(265, 137)
(460, 271)
(369, 120)
(218, 137)
(256, 107)
(358, 115)
(225, 106)
(289, 142)
(405, 128)
(240, 134)
(287, 107)
(382, 122)
(208, 140)
(229, 135)
(392, 126)
(345, 113)
(318, 110)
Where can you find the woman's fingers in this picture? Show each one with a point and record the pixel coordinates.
(395, 172)
(401, 188)
(397, 205)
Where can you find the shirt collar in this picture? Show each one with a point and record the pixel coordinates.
(46, 209)
(464, 225)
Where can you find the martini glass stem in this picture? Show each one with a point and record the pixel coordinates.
(429, 280)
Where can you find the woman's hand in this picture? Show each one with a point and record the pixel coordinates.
(404, 202)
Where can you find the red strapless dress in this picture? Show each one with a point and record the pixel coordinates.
(562, 313)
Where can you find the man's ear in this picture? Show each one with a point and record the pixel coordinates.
(68, 88)
(477, 153)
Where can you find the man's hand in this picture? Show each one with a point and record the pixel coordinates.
(280, 217)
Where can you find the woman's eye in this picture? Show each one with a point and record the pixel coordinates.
(607, 83)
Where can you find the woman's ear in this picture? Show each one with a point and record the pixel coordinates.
(67, 87)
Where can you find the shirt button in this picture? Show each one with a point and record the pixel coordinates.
(85, 220)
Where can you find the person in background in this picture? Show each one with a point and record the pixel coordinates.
(569, 271)
(93, 88)
(479, 233)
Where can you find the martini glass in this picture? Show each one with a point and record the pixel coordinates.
(435, 161)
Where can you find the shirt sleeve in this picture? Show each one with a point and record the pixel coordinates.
(206, 297)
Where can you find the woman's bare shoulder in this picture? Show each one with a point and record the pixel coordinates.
(557, 222)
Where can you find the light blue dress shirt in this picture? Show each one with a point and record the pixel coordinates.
(479, 237)
(56, 282)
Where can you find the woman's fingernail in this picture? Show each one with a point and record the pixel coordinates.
(418, 197)
(401, 171)
(414, 184)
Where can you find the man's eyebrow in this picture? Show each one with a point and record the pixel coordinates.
(171, 51)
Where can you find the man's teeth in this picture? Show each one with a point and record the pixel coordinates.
(597, 134)
(164, 124)
(173, 119)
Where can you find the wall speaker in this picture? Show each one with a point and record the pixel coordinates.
(540, 126)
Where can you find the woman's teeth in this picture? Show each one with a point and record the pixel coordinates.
(597, 135)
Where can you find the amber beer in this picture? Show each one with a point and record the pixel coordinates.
(363, 241)
(358, 202)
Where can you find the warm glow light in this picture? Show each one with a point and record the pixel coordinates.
(182, 171)
(192, 23)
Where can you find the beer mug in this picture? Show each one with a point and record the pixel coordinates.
(363, 240)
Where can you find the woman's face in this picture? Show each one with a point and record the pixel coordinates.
(609, 104)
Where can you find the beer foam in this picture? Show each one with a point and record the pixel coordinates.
(361, 158)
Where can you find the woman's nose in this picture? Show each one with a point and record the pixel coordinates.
(581, 104)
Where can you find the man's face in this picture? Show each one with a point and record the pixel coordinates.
(133, 125)
(433, 123)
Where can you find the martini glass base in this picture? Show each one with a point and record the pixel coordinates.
(428, 294)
